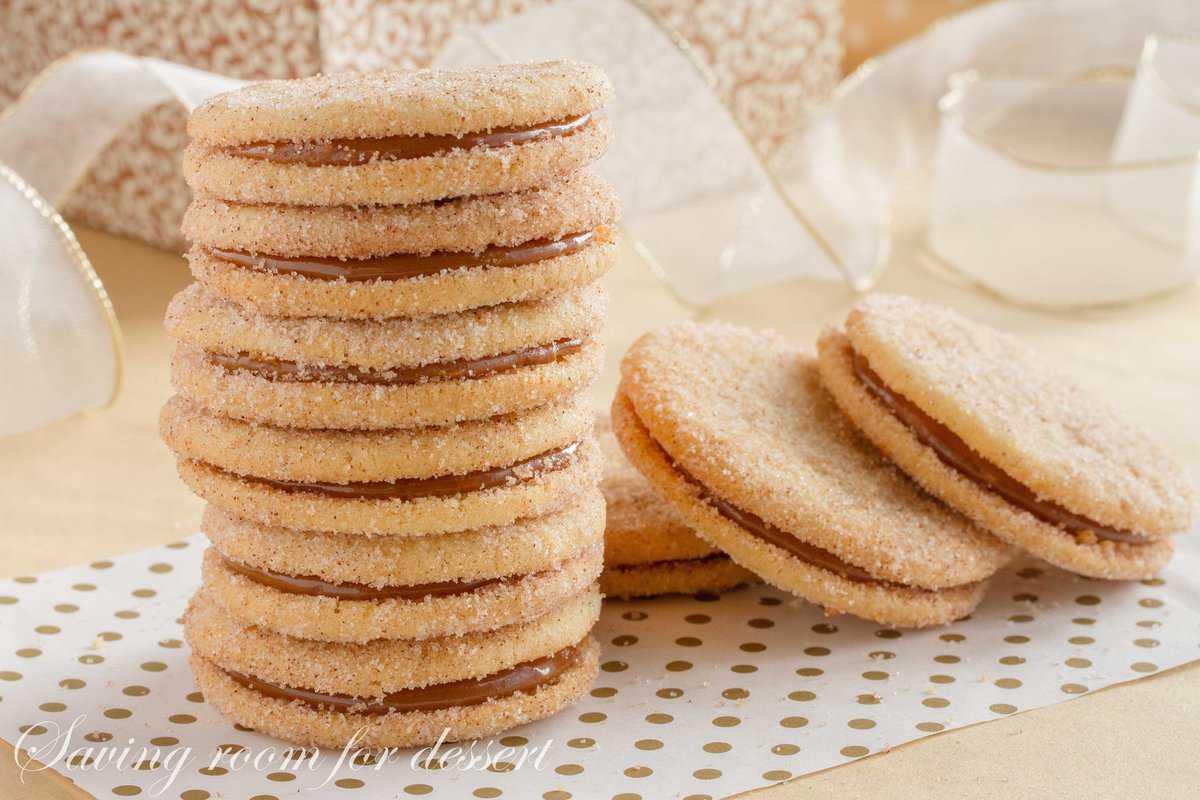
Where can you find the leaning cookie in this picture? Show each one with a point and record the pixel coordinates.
(774, 476)
(398, 373)
(398, 137)
(403, 587)
(392, 693)
(647, 550)
(981, 422)
(405, 261)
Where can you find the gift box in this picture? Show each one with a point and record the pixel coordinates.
(767, 59)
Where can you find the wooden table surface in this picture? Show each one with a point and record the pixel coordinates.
(101, 483)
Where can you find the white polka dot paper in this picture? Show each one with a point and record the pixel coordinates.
(698, 697)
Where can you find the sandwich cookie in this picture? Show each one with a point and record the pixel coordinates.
(408, 482)
(398, 373)
(405, 261)
(400, 136)
(392, 692)
(982, 422)
(647, 550)
(346, 588)
(732, 428)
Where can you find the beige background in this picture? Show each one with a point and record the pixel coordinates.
(101, 483)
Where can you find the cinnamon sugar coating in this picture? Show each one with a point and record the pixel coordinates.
(1023, 415)
(401, 102)
(744, 414)
(333, 456)
(308, 726)
(886, 603)
(387, 665)
(518, 598)
(446, 292)
(524, 546)
(1096, 558)
(578, 203)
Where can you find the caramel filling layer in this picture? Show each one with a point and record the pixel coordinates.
(406, 265)
(312, 586)
(711, 558)
(462, 369)
(441, 486)
(761, 529)
(524, 677)
(356, 152)
(957, 454)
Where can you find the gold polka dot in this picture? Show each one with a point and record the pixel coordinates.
(164, 741)
(281, 777)
(1078, 663)
(854, 751)
(195, 697)
(935, 702)
(1146, 642)
(1143, 666)
(153, 666)
(809, 672)
(624, 641)
(412, 788)
(785, 749)
(1150, 602)
(127, 614)
(1081, 640)
(802, 697)
(604, 691)
(1012, 661)
(717, 747)
(1087, 600)
(952, 637)
(743, 669)
(1021, 618)
(32, 730)
(194, 794)
(769, 601)
(487, 792)
(1025, 597)
(1154, 582)
(817, 652)
(212, 771)
(127, 791)
(881, 655)
(726, 721)
(698, 797)
(501, 767)
(29, 652)
(861, 724)
(109, 636)
(698, 619)
(177, 545)
(71, 683)
(659, 718)
(568, 769)
(627, 796)
(1008, 683)
(66, 608)
(170, 644)
(888, 633)
(556, 794)
(875, 675)
(930, 727)
(638, 772)
(118, 713)
(1017, 639)
(634, 616)
(98, 736)
(101, 564)
(1029, 572)
(48, 630)
(707, 774)
(26, 579)
(678, 666)
(592, 717)
(135, 691)
(53, 707)
(160, 568)
(143, 593)
(182, 719)
(825, 628)
(614, 666)
(947, 659)
(868, 699)
(581, 743)
(752, 647)
(7, 600)
(648, 744)
(735, 694)
(1149, 623)
(1083, 621)
(761, 623)
(1002, 708)
(1073, 688)
(941, 679)
(669, 693)
(776, 775)
(793, 722)
(9, 675)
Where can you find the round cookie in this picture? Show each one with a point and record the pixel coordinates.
(980, 421)
(647, 550)
(401, 373)
(399, 137)
(774, 476)
(406, 261)
(392, 693)
(405, 482)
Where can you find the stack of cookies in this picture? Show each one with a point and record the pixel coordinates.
(380, 377)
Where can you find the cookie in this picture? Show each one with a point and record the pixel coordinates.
(647, 550)
(399, 137)
(406, 261)
(982, 422)
(402, 587)
(733, 429)
(351, 374)
(394, 692)
(405, 482)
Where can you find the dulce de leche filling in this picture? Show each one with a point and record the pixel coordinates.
(461, 369)
(957, 454)
(524, 677)
(441, 486)
(313, 586)
(356, 152)
(407, 265)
